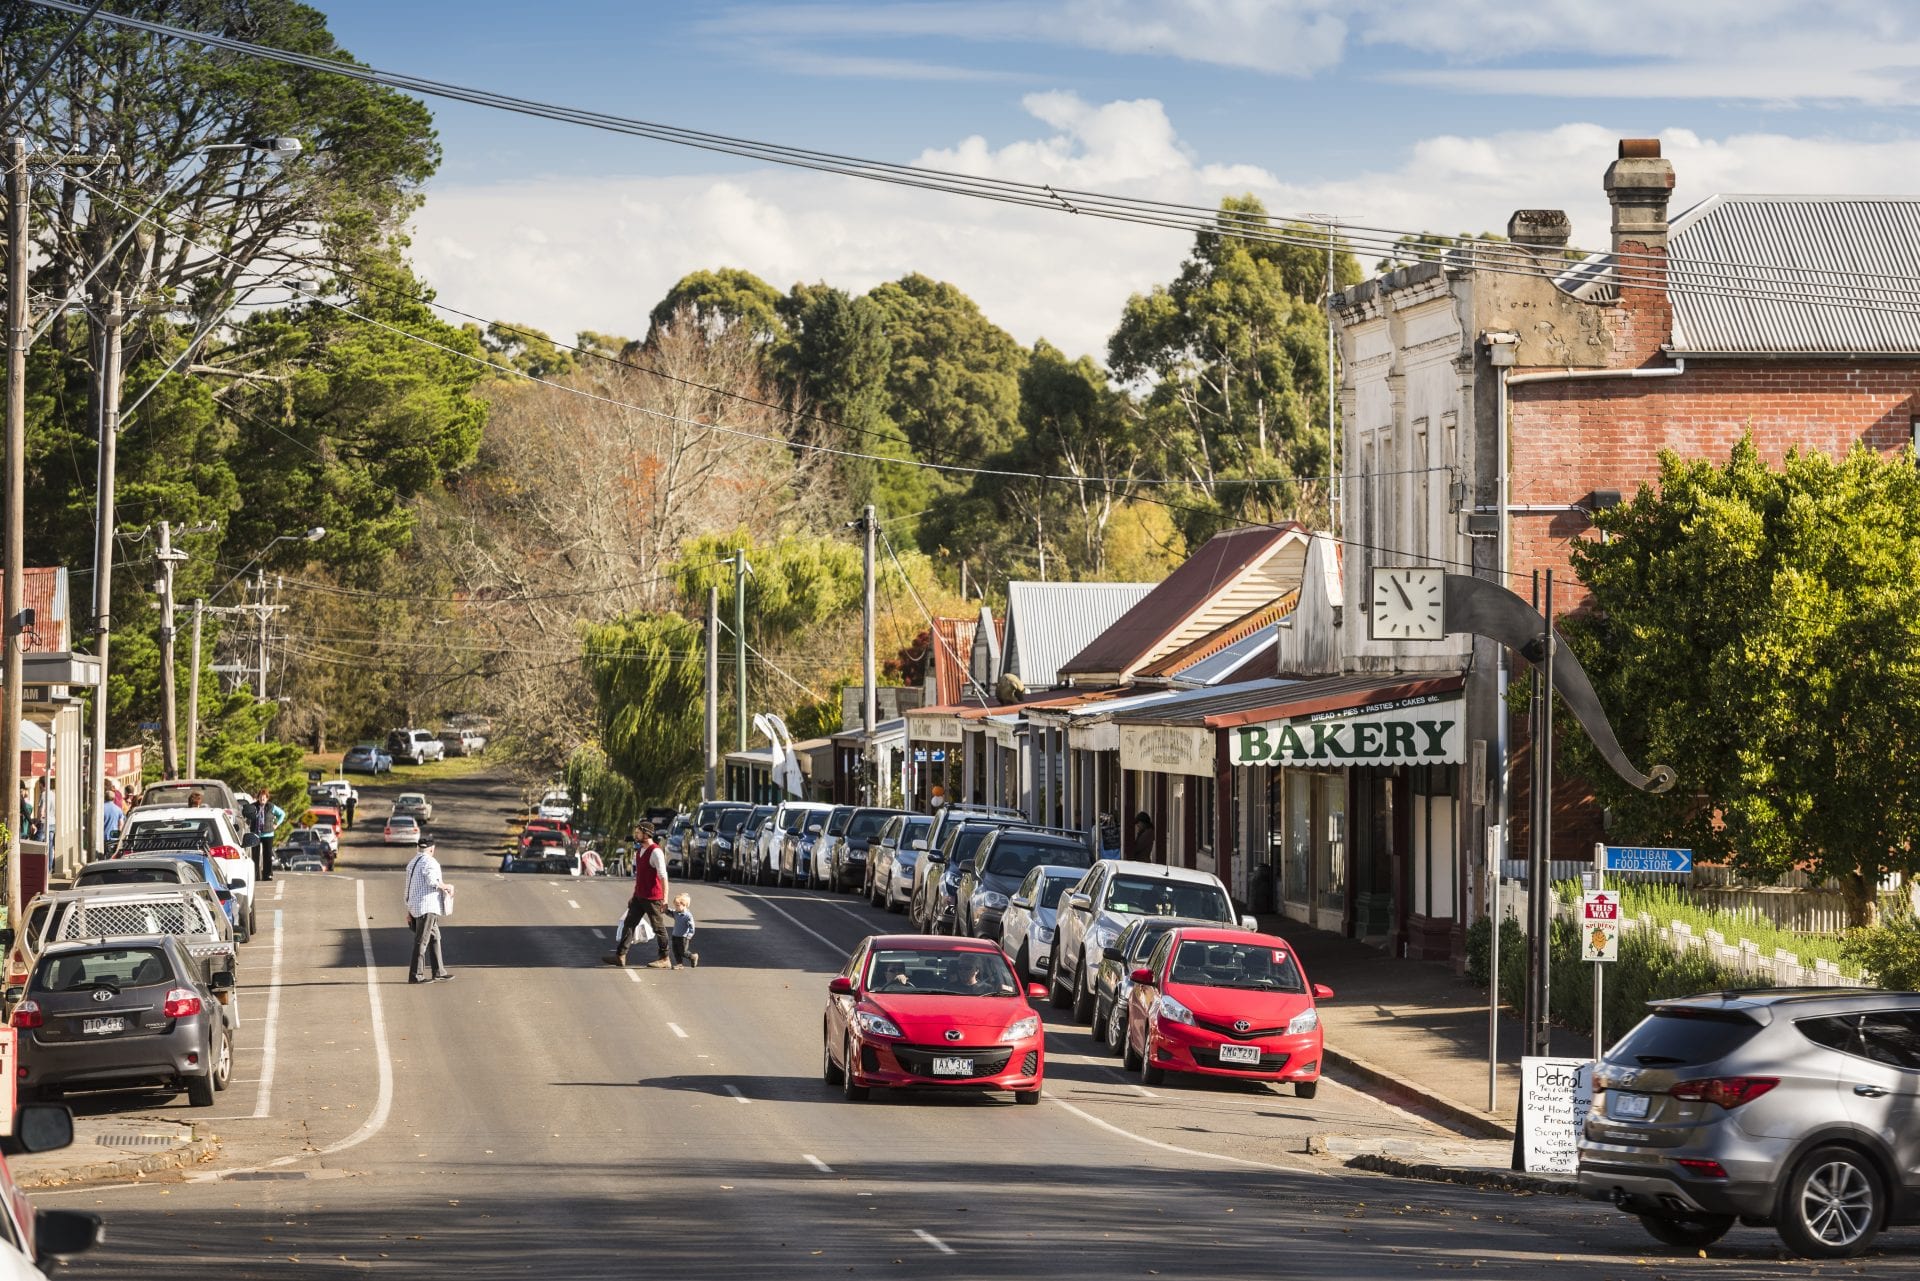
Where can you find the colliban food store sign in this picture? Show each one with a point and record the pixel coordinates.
(1427, 730)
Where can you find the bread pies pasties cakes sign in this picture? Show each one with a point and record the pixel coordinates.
(1425, 730)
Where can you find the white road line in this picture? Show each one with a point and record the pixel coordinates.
(933, 1241)
(1170, 1147)
(279, 891)
(734, 1090)
(677, 1030)
(634, 975)
(837, 947)
(600, 934)
(574, 904)
(816, 1163)
(269, 1044)
(383, 1102)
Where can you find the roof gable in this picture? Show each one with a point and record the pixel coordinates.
(1049, 622)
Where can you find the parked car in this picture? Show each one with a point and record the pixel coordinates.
(119, 1013)
(937, 873)
(333, 792)
(205, 869)
(553, 860)
(178, 794)
(206, 830)
(401, 830)
(555, 804)
(1225, 1002)
(999, 863)
(675, 843)
(710, 833)
(891, 851)
(308, 861)
(32, 1239)
(366, 758)
(326, 823)
(414, 746)
(1794, 1108)
(462, 742)
(847, 856)
(1092, 914)
(909, 1011)
(65, 916)
(798, 821)
(302, 842)
(1113, 980)
(414, 805)
(948, 816)
(1026, 929)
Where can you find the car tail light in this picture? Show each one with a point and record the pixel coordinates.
(1705, 1169)
(27, 1014)
(1727, 1091)
(226, 851)
(181, 1001)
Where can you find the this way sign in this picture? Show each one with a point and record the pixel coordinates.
(1641, 858)
(1600, 926)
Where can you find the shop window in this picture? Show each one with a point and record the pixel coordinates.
(1330, 840)
(1434, 853)
(1298, 854)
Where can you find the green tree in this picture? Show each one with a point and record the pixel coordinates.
(835, 358)
(528, 350)
(647, 678)
(1431, 246)
(1234, 355)
(1757, 629)
(717, 300)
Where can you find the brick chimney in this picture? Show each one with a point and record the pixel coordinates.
(1638, 185)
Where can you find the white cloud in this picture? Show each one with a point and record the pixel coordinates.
(568, 255)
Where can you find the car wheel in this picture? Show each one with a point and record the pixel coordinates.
(1058, 994)
(1831, 1206)
(1307, 1089)
(1128, 1059)
(223, 1062)
(1687, 1234)
(828, 1072)
(253, 926)
(241, 934)
(1117, 1028)
(849, 1088)
(1026, 1096)
(1149, 1074)
(1023, 965)
(1082, 998)
(200, 1088)
(1100, 1021)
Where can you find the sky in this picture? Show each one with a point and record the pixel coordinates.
(1442, 115)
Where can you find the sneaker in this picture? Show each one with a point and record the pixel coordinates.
(662, 964)
(616, 958)
(443, 978)
(693, 959)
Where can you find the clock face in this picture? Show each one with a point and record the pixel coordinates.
(1406, 603)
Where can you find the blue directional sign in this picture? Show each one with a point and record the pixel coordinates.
(1640, 858)
(151, 727)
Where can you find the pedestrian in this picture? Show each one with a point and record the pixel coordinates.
(649, 901)
(260, 817)
(683, 927)
(429, 898)
(1143, 837)
(112, 816)
(26, 809)
(353, 800)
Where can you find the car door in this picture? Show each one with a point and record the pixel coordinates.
(1880, 1084)
(968, 882)
(1015, 921)
(840, 1008)
(1075, 916)
(1140, 1000)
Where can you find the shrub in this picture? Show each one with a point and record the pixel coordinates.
(1889, 952)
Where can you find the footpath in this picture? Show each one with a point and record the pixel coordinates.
(1415, 1033)
(117, 1147)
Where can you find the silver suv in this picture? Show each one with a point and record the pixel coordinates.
(1796, 1108)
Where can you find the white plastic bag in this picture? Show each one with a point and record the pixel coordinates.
(642, 933)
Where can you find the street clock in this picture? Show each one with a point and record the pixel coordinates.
(1406, 603)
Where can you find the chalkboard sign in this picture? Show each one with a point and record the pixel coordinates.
(1554, 1097)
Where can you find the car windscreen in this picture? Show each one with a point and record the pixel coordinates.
(1163, 896)
(1011, 856)
(106, 968)
(866, 824)
(171, 833)
(791, 820)
(837, 821)
(401, 820)
(1144, 940)
(108, 874)
(916, 830)
(1055, 888)
(960, 849)
(944, 972)
(1254, 966)
(732, 821)
(175, 794)
(1683, 1037)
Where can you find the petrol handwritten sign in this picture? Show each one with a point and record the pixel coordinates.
(1554, 1097)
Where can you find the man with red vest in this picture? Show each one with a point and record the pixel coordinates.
(649, 900)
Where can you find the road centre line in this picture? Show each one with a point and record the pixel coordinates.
(574, 904)
(279, 891)
(934, 1241)
(816, 1163)
(677, 1030)
(734, 1090)
(634, 975)
(270, 1043)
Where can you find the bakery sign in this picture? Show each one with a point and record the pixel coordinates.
(1426, 730)
(1167, 749)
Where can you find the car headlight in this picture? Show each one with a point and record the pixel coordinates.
(1168, 1008)
(1040, 933)
(1021, 1029)
(990, 898)
(1102, 935)
(876, 1024)
(1305, 1021)
(723, 843)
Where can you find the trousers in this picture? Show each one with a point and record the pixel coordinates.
(655, 910)
(426, 939)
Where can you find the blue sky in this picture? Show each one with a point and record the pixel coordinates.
(1437, 114)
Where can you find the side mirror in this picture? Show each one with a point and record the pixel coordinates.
(935, 858)
(917, 845)
(1143, 975)
(42, 1127)
(250, 840)
(1036, 991)
(1079, 902)
(13, 996)
(1112, 953)
(1248, 923)
(1020, 902)
(1321, 992)
(840, 985)
(222, 981)
(57, 1233)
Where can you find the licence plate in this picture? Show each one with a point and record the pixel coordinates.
(1628, 1107)
(953, 1067)
(101, 1027)
(1239, 1054)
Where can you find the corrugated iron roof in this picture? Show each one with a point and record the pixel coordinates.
(1232, 660)
(1274, 697)
(1048, 623)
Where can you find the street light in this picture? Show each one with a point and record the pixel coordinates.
(313, 535)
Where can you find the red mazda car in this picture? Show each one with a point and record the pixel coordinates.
(1223, 1002)
(918, 1011)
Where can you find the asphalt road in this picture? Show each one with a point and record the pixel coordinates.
(546, 1115)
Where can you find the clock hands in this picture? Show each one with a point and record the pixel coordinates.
(1401, 588)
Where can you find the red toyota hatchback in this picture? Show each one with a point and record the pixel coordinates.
(1223, 1002)
(916, 1011)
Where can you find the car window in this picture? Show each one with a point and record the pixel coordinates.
(732, 820)
(854, 962)
(1011, 856)
(1162, 896)
(837, 821)
(170, 833)
(1250, 966)
(1160, 950)
(865, 823)
(946, 972)
(1055, 889)
(127, 876)
(1683, 1036)
(1891, 1037)
(114, 968)
(1144, 939)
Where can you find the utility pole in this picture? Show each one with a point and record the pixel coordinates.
(711, 792)
(260, 617)
(14, 593)
(169, 709)
(740, 572)
(193, 694)
(1539, 891)
(869, 700)
(103, 554)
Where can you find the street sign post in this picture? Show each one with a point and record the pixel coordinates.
(1641, 858)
